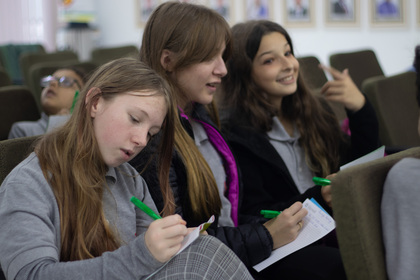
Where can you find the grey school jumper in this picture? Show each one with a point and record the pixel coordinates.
(30, 235)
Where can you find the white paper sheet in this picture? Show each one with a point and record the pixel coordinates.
(194, 234)
(378, 153)
(316, 225)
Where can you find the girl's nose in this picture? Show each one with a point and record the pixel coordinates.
(140, 139)
(220, 69)
(53, 83)
(286, 64)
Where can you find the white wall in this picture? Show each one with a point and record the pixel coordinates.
(394, 46)
(28, 21)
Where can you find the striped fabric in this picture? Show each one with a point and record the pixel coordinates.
(205, 258)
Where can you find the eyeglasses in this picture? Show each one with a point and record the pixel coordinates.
(62, 82)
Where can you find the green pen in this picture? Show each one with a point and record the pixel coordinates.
(321, 181)
(145, 208)
(74, 101)
(269, 214)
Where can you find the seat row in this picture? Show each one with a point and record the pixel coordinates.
(393, 97)
(17, 59)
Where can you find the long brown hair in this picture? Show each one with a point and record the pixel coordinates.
(73, 165)
(249, 105)
(193, 33)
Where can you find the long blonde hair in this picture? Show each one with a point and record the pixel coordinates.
(73, 165)
(193, 33)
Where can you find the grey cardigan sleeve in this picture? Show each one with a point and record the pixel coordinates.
(132, 261)
(30, 236)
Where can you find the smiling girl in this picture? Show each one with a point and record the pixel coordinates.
(283, 135)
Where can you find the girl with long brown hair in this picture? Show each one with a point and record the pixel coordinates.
(282, 134)
(65, 210)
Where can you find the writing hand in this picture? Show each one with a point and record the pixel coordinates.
(164, 236)
(286, 226)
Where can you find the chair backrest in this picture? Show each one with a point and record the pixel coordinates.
(394, 100)
(315, 78)
(4, 78)
(362, 64)
(356, 203)
(17, 103)
(13, 151)
(100, 56)
(29, 59)
(10, 55)
(309, 70)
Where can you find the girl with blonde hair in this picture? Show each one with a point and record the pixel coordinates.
(67, 206)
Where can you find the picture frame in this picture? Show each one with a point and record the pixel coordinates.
(299, 13)
(418, 13)
(258, 9)
(342, 13)
(144, 10)
(388, 13)
(223, 7)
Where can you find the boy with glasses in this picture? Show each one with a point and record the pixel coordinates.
(58, 94)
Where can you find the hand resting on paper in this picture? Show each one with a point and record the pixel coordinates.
(326, 191)
(164, 236)
(285, 227)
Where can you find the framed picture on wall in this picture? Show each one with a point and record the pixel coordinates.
(418, 12)
(299, 13)
(145, 9)
(342, 13)
(258, 9)
(387, 12)
(223, 7)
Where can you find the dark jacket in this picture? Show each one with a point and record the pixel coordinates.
(251, 242)
(267, 183)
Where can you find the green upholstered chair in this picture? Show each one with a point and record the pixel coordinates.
(394, 100)
(100, 56)
(10, 55)
(315, 78)
(17, 103)
(356, 203)
(309, 69)
(13, 151)
(4, 78)
(362, 64)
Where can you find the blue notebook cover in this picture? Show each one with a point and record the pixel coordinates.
(317, 204)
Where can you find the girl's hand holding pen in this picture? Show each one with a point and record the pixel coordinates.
(164, 236)
(286, 226)
(326, 191)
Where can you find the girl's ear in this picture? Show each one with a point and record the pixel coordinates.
(167, 60)
(92, 99)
